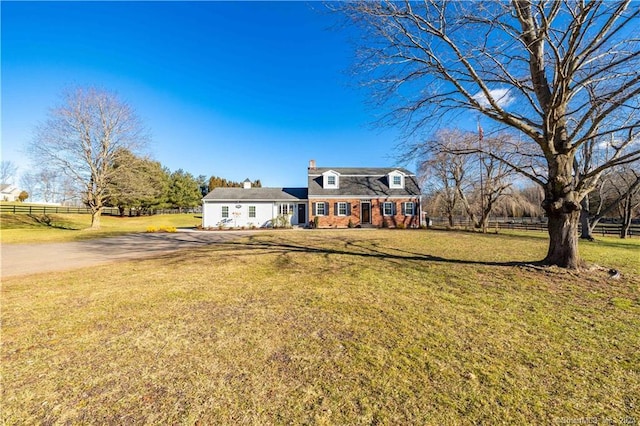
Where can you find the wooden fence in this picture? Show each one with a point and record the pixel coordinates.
(108, 211)
(534, 224)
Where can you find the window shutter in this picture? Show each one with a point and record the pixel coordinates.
(313, 209)
(326, 209)
(348, 209)
(335, 209)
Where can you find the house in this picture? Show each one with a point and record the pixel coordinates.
(334, 198)
(376, 197)
(251, 207)
(9, 192)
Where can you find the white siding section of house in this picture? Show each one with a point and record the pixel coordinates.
(266, 211)
(238, 214)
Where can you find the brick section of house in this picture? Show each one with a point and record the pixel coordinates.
(332, 218)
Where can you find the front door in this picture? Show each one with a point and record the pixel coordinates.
(302, 214)
(365, 212)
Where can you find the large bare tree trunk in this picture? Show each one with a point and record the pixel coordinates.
(95, 218)
(563, 240)
(563, 210)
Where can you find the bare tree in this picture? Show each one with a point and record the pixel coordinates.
(439, 181)
(559, 74)
(29, 182)
(495, 176)
(617, 190)
(618, 193)
(629, 193)
(44, 185)
(522, 202)
(464, 175)
(81, 138)
(8, 171)
(445, 171)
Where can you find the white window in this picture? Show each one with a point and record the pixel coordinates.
(320, 209)
(388, 208)
(225, 211)
(252, 211)
(330, 179)
(396, 180)
(342, 209)
(285, 209)
(408, 209)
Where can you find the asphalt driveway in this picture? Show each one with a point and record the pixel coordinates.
(24, 259)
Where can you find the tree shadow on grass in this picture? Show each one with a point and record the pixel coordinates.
(47, 221)
(339, 247)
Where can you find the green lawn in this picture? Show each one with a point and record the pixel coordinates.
(329, 327)
(22, 228)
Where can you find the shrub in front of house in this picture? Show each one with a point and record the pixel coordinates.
(169, 229)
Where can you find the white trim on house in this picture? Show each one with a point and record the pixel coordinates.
(360, 175)
(405, 211)
(361, 197)
(396, 179)
(331, 180)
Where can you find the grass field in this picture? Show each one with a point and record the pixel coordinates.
(329, 327)
(23, 228)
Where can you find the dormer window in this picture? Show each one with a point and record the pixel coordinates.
(331, 180)
(396, 180)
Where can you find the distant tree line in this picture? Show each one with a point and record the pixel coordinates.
(218, 182)
(459, 180)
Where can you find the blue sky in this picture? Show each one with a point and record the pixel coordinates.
(237, 90)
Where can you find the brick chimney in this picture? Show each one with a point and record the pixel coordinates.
(312, 164)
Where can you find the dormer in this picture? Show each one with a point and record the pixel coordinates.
(331, 180)
(396, 179)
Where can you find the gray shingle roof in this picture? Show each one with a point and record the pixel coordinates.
(360, 171)
(257, 194)
(362, 182)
